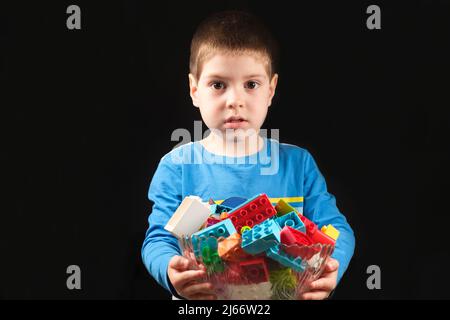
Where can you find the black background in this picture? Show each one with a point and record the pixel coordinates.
(87, 114)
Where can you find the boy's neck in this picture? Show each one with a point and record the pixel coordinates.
(222, 147)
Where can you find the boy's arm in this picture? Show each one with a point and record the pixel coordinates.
(159, 245)
(320, 207)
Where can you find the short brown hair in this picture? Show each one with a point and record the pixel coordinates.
(235, 32)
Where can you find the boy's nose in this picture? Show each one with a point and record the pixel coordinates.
(234, 99)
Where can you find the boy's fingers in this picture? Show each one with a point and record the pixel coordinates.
(199, 288)
(190, 275)
(322, 284)
(332, 265)
(318, 295)
(179, 263)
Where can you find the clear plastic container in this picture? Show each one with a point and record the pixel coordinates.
(241, 276)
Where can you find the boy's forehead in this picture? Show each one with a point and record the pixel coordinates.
(235, 64)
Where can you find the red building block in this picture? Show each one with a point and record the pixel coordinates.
(297, 243)
(252, 212)
(232, 274)
(255, 270)
(314, 233)
(212, 221)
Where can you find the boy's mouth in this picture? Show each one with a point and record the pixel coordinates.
(235, 123)
(234, 120)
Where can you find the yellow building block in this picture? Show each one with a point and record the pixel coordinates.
(245, 228)
(330, 231)
(283, 208)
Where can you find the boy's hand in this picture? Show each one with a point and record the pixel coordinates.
(321, 288)
(187, 282)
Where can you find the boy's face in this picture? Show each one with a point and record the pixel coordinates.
(233, 92)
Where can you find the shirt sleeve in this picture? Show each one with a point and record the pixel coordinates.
(160, 245)
(320, 207)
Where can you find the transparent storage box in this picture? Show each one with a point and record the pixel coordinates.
(280, 272)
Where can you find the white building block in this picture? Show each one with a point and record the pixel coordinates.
(189, 217)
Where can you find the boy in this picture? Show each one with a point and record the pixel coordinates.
(232, 81)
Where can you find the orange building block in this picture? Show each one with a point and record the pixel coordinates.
(230, 248)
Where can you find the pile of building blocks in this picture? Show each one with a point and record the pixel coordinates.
(245, 244)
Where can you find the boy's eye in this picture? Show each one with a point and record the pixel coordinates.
(218, 85)
(252, 85)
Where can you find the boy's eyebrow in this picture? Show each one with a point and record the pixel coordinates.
(217, 76)
(258, 75)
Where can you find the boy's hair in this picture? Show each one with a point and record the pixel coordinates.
(232, 32)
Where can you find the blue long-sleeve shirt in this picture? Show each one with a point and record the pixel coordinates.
(279, 170)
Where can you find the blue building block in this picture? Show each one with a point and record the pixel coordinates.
(277, 254)
(233, 202)
(208, 236)
(291, 220)
(261, 237)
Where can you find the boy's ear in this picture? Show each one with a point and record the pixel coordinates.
(193, 89)
(273, 86)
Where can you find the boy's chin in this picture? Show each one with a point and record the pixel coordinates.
(237, 135)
